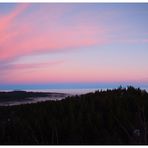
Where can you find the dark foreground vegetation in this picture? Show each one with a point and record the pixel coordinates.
(118, 116)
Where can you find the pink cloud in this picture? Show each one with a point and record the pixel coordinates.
(5, 21)
(35, 65)
(9, 31)
(39, 32)
(32, 72)
(20, 39)
(64, 39)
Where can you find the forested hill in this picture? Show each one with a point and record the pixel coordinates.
(19, 95)
(118, 116)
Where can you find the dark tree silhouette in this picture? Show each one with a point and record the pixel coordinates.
(118, 116)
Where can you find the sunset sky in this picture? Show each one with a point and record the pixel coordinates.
(55, 45)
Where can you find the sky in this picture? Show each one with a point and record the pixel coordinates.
(73, 45)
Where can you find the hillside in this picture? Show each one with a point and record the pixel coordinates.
(24, 95)
(118, 116)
